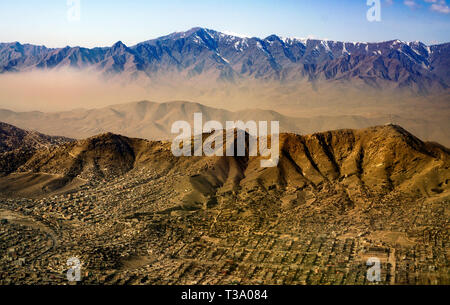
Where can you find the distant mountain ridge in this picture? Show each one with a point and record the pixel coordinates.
(153, 121)
(222, 57)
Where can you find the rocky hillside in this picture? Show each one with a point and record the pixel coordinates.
(356, 163)
(18, 145)
(102, 156)
(12, 138)
(375, 160)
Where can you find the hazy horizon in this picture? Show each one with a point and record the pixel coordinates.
(101, 23)
(224, 32)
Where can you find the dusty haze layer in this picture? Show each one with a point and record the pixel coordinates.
(325, 105)
(151, 120)
(62, 90)
(67, 89)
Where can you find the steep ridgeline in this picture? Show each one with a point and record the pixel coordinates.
(214, 55)
(18, 145)
(357, 164)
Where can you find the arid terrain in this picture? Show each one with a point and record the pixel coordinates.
(309, 85)
(153, 121)
(135, 214)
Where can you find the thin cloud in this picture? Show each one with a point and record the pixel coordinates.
(411, 4)
(439, 6)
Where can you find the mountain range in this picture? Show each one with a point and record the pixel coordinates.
(211, 55)
(101, 183)
(153, 121)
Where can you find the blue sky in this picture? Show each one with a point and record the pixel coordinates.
(103, 22)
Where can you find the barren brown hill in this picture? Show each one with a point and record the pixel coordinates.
(135, 214)
(102, 156)
(356, 163)
(12, 138)
(374, 160)
(17, 145)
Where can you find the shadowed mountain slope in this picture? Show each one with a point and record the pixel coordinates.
(201, 52)
(17, 145)
(375, 160)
